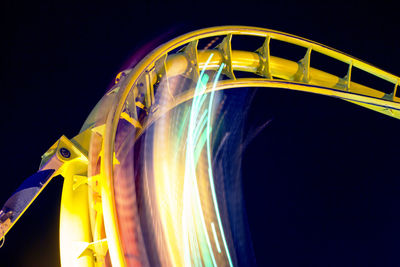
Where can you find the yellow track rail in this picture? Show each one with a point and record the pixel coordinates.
(276, 72)
(96, 216)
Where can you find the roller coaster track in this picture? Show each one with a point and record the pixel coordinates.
(134, 95)
(275, 72)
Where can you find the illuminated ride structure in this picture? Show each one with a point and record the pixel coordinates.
(153, 177)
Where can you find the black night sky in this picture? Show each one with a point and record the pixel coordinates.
(321, 182)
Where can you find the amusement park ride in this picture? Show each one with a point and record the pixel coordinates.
(142, 179)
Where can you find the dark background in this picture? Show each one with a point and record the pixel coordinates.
(321, 181)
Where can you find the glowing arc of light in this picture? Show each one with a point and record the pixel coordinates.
(190, 166)
(210, 173)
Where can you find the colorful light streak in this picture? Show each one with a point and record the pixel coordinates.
(180, 216)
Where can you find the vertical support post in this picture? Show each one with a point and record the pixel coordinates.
(396, 88)
(305, 64)
(347, 78)
(161, 70)
(225, 49)
(264, 68)
(192, 56)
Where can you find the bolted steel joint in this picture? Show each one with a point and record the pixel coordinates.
(65, 153)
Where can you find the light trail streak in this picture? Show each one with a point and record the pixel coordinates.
(210, 172)
(191, 188)
(215, 238)
(178, 192)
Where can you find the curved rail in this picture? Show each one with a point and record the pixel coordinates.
(140, 83)
(89, 224)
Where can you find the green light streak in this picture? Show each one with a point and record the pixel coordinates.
(200, 126)
(215, 238)
(210, 173)
(202, 141)
(190, 174)
(181, 128)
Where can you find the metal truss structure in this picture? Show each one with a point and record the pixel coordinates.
(90, 233)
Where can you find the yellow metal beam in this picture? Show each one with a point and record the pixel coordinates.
(314, 81)
(83, 220)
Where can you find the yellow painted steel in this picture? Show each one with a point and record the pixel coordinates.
(280, 68)
(79, 245)
(382, 106)
(88, 218)
(243, 61)
(75, 232)
(285, 70)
